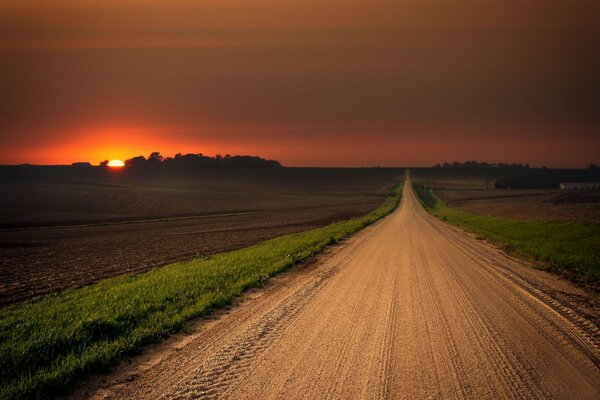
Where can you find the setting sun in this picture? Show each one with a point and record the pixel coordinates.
(116, 163)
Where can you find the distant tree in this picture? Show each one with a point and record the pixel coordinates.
(82, 164)
(471, 164)
(195, 161)
(138, 161)
(155, 158)
(104, 163)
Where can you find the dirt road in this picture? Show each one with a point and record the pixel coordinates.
(408, 308)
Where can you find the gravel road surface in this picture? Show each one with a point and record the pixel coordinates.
(409, 308)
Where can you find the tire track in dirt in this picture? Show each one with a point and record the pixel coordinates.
(490, 343)
(232, 362)
(584, 334)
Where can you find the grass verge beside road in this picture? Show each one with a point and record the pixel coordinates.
(47, 344)
(568, 248)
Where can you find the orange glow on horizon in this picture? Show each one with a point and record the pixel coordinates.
(336, 148)
(115, 143)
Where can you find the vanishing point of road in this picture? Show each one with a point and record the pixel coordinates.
(409, 308)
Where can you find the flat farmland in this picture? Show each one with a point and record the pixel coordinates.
(61, 230)
(527, 204)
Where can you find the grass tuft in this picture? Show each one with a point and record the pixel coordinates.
(48, 344)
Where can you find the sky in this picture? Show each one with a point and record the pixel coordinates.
(305, 82)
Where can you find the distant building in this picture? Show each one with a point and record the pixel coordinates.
(580, 185)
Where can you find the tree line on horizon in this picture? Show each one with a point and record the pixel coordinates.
(192, 161)
(476, 164)
(515, 175)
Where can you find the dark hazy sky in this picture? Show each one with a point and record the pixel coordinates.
(306, 82)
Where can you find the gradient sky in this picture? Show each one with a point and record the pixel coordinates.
(306, 82)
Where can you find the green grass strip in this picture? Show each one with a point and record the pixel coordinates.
(567, 248)
(47, 344)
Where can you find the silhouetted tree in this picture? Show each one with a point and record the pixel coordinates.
(138, 161)
(155, 158)
(194, 161)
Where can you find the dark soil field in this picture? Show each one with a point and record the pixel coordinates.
(527, 204)
(61, 230)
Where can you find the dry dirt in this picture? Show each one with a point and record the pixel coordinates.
(409, 308)
(56, 234)
(528, 204)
